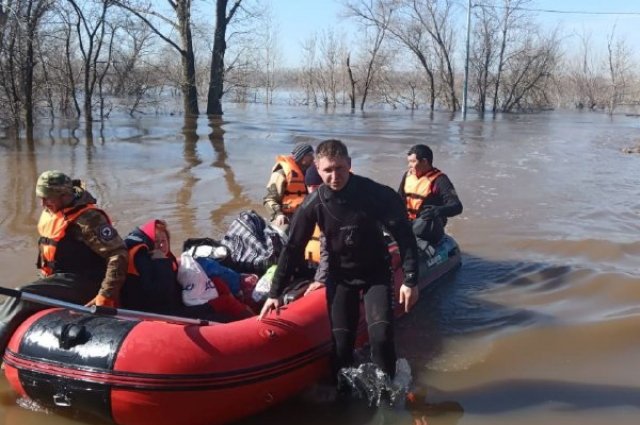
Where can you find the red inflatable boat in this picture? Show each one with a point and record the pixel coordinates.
(138, 372)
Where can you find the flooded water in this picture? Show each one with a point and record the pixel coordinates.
(541, 323)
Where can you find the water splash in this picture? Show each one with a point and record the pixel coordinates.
(370, 383)
(27, 403)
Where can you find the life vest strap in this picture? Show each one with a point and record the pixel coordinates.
(415, 196)
(286, 192)
(72, 211)
(47, 241)
(48, 264)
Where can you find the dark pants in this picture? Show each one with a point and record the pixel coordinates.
(343, 301)
(63, 286)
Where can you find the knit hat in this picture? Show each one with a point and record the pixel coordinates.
(53, 183)
(300, 150)
(311, 177)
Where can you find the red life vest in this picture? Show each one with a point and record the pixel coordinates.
(418, 189)
(60, 253)
(295, 190)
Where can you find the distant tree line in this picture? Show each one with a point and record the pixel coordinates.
(83, 59)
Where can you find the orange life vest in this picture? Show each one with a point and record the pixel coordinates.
(54, 244)
(312, 251)
(133, 270)
(295, 191)
(417, 190)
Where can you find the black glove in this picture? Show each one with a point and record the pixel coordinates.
(429, 212)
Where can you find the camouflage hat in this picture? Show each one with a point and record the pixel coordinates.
(53, 183)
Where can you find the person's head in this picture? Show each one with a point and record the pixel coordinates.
(55, 190)
(302, 153)
(333, 163)
(162, 239)
(157, 233)
(311, 178)
(420, 159)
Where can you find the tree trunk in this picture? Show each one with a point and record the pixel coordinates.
(188, 86)
(352, 95)
(28, 82)
(216, 79)
(503, 47)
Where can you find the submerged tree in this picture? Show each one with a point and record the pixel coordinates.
(619, 67)
(90, 28)
(375, 32)
(180, 23)
(216, 79)
(20, 23)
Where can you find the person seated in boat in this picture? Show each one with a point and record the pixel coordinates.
(81, 257)
(286, 189)
(350, 211)
(152, 283)
(429, 196)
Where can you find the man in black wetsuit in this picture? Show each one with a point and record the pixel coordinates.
(429, 196)
(351, 211)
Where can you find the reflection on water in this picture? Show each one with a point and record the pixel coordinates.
(237, 200)
(539, 324)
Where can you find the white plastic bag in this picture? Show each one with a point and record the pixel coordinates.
(197, 288)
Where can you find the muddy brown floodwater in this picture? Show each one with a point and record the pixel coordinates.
(541, 323)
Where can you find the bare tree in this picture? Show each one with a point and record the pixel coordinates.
(375, 19)
(619, 66)
(90, 29)
(180, 23)
(528, 73)
(331, 50)
(511, 14)
(34, 11)
(216, 79)
(436, 18)
(352, 84)
(10, 35)
(586, 81)
(308, 80)
(20, 22)
(69, 71)
(268, 55)
(483, 54)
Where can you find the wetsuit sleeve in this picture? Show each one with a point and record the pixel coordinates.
(322, 272)
(300, 231)
(451, 203)
(393, 215)
(401, 191)
(275, 192)
(103, 239)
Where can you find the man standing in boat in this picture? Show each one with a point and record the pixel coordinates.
(286, 189)
(81, 257)
(429, 196)
(350, 211)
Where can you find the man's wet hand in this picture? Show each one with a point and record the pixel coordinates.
(314, 286)
(408, 296)
(270, 304)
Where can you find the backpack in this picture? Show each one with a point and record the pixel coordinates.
(253, 244)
